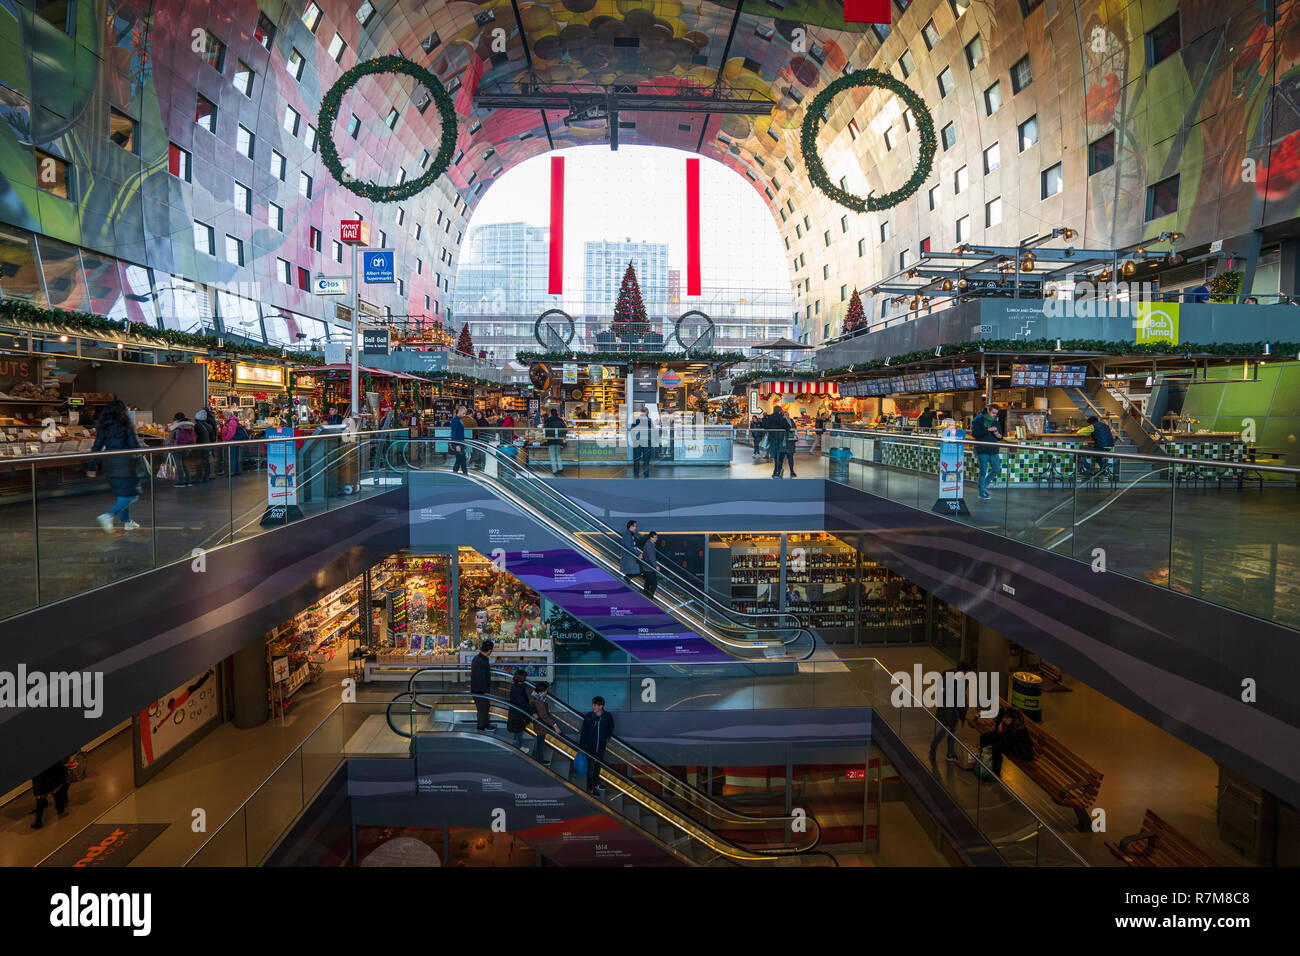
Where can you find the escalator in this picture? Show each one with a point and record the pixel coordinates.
(691, 826)
(772, 636)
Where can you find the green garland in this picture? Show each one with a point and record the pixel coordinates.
(24, 314)
(632, 358)
(812, 121)
(329, 113)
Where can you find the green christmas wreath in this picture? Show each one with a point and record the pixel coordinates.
(812, 122)
(329, 112)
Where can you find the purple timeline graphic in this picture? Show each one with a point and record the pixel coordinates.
(609, 606)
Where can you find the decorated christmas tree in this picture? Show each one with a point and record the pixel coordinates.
(465, 344)
(629, 311)
(854, 319)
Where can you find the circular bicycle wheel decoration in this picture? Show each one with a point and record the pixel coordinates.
(329, 113)
(554, 329)
(812, 122)
(702, 342)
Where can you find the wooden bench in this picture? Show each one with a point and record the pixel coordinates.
(1067, 778)
(1159, 844)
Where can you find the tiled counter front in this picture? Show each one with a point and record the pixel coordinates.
(1021, 464)
(1208, 449)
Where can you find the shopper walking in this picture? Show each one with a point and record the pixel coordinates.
(778, 433)
(204, 436)
(520, 715)
(640, 435)
(458, 442)
(757, 436)
(951, 712)
(1008, 736)
(597, 728)
(114, 432)
(819, 428)
(555, 431)
(985, 429)
(181, 435)
(544, 720)
(480, 682)
(628, 563)
(791, 441)
(50, 782)
(650, 564)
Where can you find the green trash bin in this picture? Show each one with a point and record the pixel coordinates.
(1027, 694)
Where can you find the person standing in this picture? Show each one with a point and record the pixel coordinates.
(628, 563)
(480, 682)
(757, 435)
(819, 427)
(791, 441)
(114, 432)
(926, 419)
(458, 442)
(232, 432)
(777, 435)
(985, 428)
(597, 728)
(951, 713)
(1008, 736)
(332, 416)
(650, 564)
(181, 434)
(640, 435)
(545, 719)
(518, 719)
(52, 781)
(554, 430)
(204, 434)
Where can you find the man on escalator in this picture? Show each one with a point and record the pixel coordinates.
(545, 720)
(597, 728)
(480, 682)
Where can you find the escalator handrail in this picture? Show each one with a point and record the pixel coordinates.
(660, 807)
(687, 790)
(728, 614)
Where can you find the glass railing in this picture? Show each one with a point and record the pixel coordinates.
(779, 634)
(79, 521)
(1227, 532)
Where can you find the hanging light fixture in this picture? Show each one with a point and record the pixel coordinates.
(962, 283)
(916, 302)
(1129, 268)
(946, 285)
(1068, 234)
(1027, 263)
(1103, 276)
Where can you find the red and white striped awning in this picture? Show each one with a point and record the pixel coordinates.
(802, 388)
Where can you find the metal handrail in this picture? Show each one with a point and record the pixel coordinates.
(1163, 460)
(682, 787)
(72, 456)
(627, 786)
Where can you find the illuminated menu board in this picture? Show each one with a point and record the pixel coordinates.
(928, 383)
(943, 380)
(1033, 375)
(964, 378)
(897, 385)
(1067, 375)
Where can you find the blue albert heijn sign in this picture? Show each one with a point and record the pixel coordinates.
(377, 266)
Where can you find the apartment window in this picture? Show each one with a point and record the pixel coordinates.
(963, 229)
(1164, 40)
(178, 162)
(383, 239)
(1052, 182)
(798, 231)
(336, 250)
(245, 141)
(789, 204)
(908, 121)
(1021, 74)
(959, 7)
(1162, 198)
(787, 243)
(960, 180)
(295, 64)
(807, 223)
(314, 237)
(401, 175)
(935, 195)
(278, 164)
(204, 239)
(946, 82)
(424, 159)
(949, 136)
(275, 216)
(862, 248)
(304, 279)
(354, 126)
(886, 231)
(844, 223)
(889, 138)
(391, 119)
(265, 32)
(907, 64)
(304, 185)
(930, 35)
(291, 120)
(903, 258)
(214, 51)
(401, 215)
(844, 292)
(992, 159)
(854, 133)
(1028, 133)
(974, 52)
(205, 114)
(365, 12)
(401, 288)
(284, 271)
(993, 212)
(52, 174)
(234, 250)
(243, 198)
(925, 246)
(788, 164)
(826, 236)
(122, 130)
(993, 98)
(336, 48)
(1101, 153)
(419, 267)
(243, 78)
(311, 16)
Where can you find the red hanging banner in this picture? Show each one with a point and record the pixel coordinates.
(866, 11)
(693, 227)
(556, 284)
